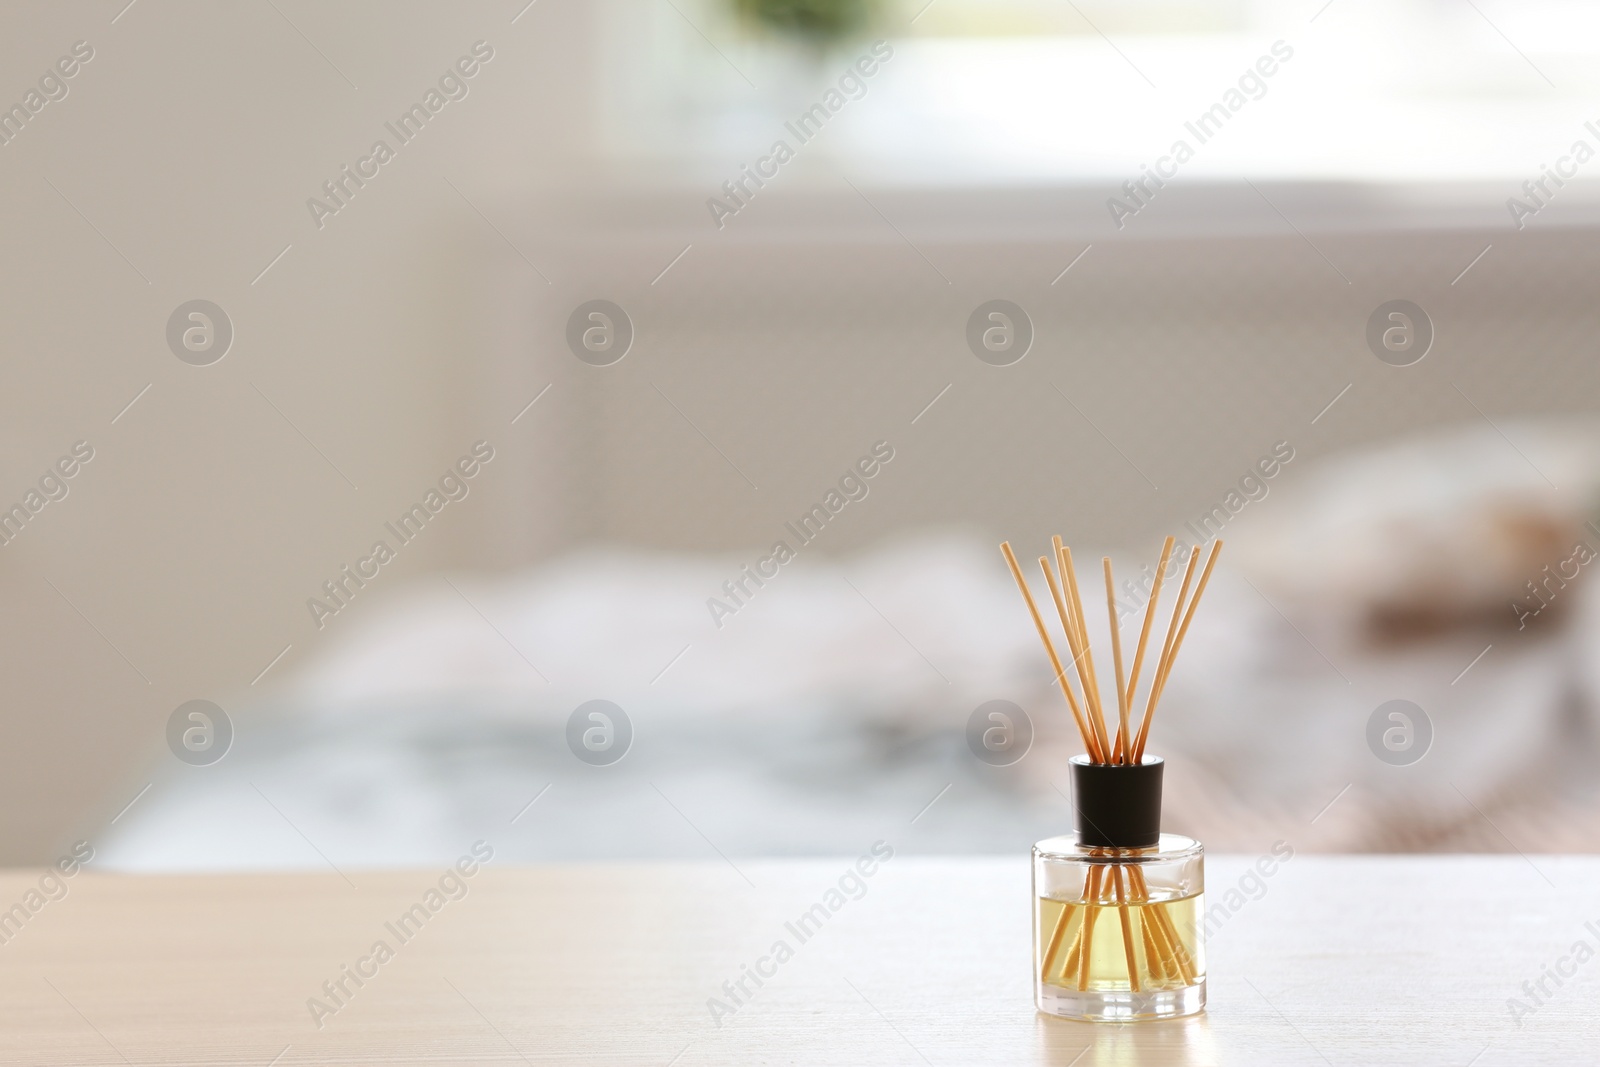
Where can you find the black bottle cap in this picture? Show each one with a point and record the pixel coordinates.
(1117, 805)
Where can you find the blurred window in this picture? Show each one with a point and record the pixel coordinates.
(983, 91)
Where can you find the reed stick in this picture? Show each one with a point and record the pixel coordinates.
(1149, 616)
(1169, 934)
(1069, 580)
(1158, 963)
(1127, 929)
(1078, 642)
(1090, 744)
(1090, 915)
(1070, 968)
(1188, 617)
(1166, 649)
(1055, 941)
(1044, 635)
(1124, 737)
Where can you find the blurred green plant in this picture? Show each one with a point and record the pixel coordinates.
(819, 22)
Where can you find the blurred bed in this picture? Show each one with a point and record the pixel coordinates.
(833, 709)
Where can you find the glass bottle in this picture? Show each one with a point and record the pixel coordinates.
(1119, 906)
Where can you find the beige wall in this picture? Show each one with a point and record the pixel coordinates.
(190, 542)
(1163, 366)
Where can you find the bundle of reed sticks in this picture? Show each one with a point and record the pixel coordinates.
(1089, 713)
(1123, 886)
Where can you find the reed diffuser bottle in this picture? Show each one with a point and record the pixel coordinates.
(1118, 906)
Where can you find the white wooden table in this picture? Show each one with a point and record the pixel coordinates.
(1343, 960)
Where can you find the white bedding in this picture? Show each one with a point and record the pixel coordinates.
(832, 709)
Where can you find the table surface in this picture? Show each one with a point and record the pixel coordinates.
(1330, 960)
